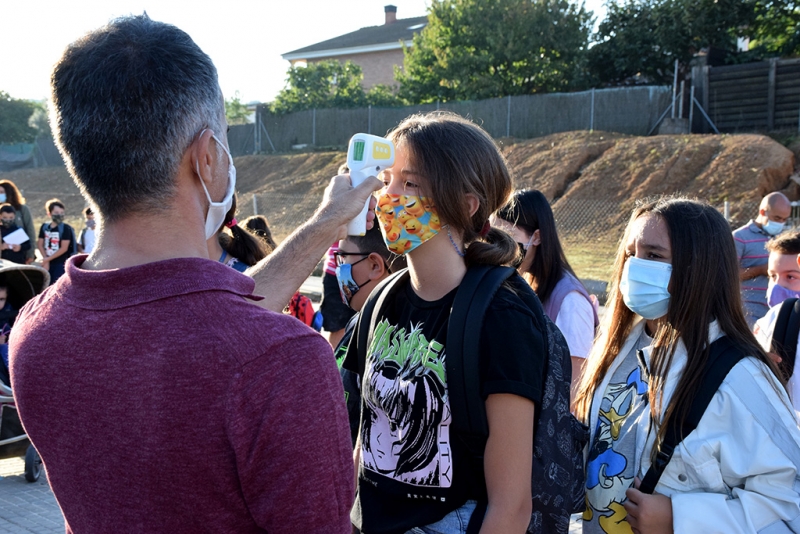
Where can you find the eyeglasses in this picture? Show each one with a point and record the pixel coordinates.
(341, 256)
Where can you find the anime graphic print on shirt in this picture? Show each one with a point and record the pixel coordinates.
(406, 413)
(611, 469)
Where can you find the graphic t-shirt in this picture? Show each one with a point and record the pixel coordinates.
(612, 464)
(52, 241)
(413, 470)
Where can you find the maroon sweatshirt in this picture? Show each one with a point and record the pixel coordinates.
(161, 400)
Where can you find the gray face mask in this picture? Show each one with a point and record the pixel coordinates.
(58, 219)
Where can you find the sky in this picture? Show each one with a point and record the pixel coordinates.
(245, 38)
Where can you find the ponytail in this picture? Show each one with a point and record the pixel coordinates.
(496, 248)
(243, 246)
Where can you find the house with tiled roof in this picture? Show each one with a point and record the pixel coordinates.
(376, 49)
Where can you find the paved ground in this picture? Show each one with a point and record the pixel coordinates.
(25, 507)
(31, 508)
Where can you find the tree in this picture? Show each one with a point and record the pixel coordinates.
(39, 120)
(327, 84)
(776, 29)
(640, 40)
(473, 49)
(235, 111)
(14, 115)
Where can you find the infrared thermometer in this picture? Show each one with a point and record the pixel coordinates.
(367, 155)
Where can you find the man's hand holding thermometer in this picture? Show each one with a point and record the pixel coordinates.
(367, 156)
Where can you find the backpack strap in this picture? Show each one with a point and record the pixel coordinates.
(784, 336)
(475, 293)
(723, 356)
(371, 311)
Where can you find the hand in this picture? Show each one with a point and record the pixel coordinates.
(342, 202)
(648, 514)
(15, 248)
(28, 261)
(45, 263)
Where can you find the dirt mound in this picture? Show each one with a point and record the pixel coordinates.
(592, 178)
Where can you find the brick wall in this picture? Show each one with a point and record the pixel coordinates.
(378, 67)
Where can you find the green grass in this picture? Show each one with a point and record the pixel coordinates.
(591, 260)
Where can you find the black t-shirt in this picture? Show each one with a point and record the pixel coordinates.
(413, 469)
(52, 240)
(10, 255)
(350, 380)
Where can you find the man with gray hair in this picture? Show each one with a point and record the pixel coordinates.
(188, 408)
(751, 248)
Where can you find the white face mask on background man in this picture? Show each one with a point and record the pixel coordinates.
(217, 210)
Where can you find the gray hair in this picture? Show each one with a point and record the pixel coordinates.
(127, 101)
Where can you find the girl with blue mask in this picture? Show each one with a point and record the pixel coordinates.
(674, 292)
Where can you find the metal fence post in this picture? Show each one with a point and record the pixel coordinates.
(255, 204)
(773, 64)
(691, 107)
(369, 119)
(591, 113)
(314, 127)
(727, 211)
(674, 88)
(508, 118)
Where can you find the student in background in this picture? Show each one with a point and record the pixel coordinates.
(11, 195)
(362, 262)
(56, 239)
(529, 219)
(87, 237)
(15, 253)
(783, 271)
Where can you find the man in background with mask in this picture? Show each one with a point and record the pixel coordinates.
(56, 239)
(202, 411)
(751, 248)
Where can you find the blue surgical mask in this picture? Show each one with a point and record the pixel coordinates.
(217, 210)
(2, 197)
(773, 227)
(777, 294)
(347, 285)
(644, 287)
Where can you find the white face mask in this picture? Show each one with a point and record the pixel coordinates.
(217, 210)
(644, 287)
(773, 227)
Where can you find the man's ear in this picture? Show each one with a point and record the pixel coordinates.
(204, 156)
(377, 266)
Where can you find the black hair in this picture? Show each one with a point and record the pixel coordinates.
(258, 225)
(240, 243)
(128, 99)
(53, 203)
(373, 241)
(7, 208)
(529, 210)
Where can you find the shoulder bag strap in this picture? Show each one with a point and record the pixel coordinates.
(723, 355)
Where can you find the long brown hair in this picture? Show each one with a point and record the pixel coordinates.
(13, 196)
(458, 158)
(704, 287)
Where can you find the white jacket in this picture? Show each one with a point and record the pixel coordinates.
(737, 472)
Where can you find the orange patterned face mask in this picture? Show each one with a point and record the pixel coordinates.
(407, 221)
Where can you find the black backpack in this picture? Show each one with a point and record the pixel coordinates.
(723, 355)
(784, 336)
(557, 477)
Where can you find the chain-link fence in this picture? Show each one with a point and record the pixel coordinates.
(629, 110)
